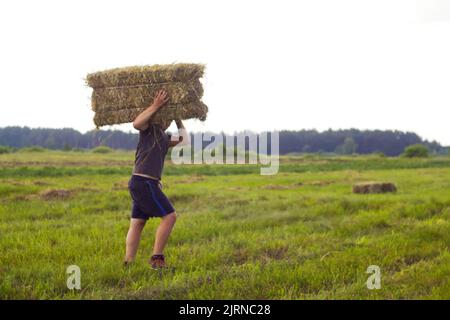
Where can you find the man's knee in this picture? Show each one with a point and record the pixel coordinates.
(137, 224)
(172, 217)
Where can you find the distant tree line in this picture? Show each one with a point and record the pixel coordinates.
(390, 143)
(66, 138)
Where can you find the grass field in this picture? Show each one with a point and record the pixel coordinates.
(300, 234)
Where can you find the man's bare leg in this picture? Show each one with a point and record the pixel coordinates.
(133, 238)
(163, 232)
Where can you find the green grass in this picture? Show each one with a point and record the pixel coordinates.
(300, 234)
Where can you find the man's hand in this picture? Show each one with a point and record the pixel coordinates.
(141, 121)
(160, 99)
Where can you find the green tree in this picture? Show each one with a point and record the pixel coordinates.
(5, 149)
(416, 151)
(102, 149)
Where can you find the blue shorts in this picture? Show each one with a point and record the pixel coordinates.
(148, 198)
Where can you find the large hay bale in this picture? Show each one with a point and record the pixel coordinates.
(189, 110)
(130, 76)
(141, 96)
(374, 187)
(121, 94)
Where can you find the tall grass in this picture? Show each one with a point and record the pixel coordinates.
(300, 234)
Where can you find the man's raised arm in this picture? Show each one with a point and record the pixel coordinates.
(141, 121)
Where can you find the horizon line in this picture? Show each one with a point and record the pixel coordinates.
(235, 131)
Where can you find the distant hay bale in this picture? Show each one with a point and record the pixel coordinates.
(121, 94)
(374, 187)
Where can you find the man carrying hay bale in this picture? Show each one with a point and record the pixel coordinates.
(144, 185)
(123, 95)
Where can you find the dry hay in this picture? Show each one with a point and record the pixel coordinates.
(275, 187)
(27, 183)
(374, 187)
(178, 111)
(141, 96)
(56, 194)
(295, 185)
(136, 75)
(121, 185)
(17, 183)
(41, 183)
(121, 94)
(236, 188)
(84, 189)
(24, 197)
(192, 179)
(277, 253)
(321, 183)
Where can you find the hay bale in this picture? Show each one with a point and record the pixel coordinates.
(374, 187)
(136, 75)
(121, 94)
(141, 96)
(189, 110)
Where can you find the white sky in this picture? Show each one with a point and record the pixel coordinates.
(381, 64)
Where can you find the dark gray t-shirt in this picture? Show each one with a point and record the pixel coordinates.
(151, 151)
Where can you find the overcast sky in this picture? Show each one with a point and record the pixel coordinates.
(381, 64)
